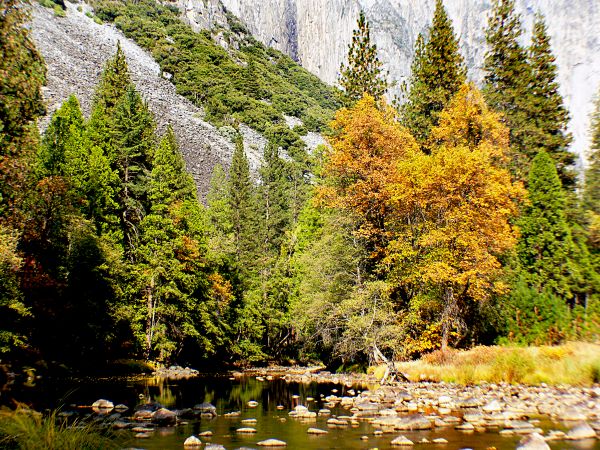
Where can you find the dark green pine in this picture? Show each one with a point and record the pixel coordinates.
(438, 71)
(549, 113)
(363, 73)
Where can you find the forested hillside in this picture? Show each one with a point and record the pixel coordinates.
(451, 220)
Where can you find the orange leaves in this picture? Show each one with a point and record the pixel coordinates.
(438, 219)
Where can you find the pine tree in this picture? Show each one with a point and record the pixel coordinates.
(508, 79)
(363, 73)
(545, 247)
(591, 187)
(548, 111)
(438, 72)
(274, 196)
(133, 146)
(63, 132)
(242, 203)
(219, 220)
(22, 74)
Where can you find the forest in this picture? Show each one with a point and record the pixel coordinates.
(451, 217)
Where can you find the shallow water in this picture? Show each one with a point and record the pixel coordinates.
(233, 395)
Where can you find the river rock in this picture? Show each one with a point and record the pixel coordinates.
(143, 414)
(581, 431)
(192, 442)
(249, 421)
(413, 422)
(207, 433)
(402, 441)
(214, 447)
(572, 414)
(206, 408)
(534, 441)
(316, 431)
(103, 404)
(163, 416)
(252, 404)
(492, 407)
(272, 443)
(440, 441)
(121, 407)
(246, 430)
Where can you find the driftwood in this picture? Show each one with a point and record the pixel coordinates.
(391, 374)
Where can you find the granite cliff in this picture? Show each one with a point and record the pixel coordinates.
(317, 32)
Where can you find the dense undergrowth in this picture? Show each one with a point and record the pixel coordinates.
(246, 83)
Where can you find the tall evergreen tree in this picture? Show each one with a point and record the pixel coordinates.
(363, 73)
(23, 73)
(548, 111)
(63, 132)
(438, 72)
(133, 146)
(167, 260)
(591, 186)
(508, 79)
(242, 203)
(545, 248)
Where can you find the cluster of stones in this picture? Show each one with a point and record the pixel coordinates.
(175, 372)
(503, 408)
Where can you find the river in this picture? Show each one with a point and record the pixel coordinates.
(229, 395)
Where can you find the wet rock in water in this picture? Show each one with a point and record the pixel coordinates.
(146, 435)
(192, 442)
(206, 408)
(465, 427)
(556, 435)
(581, 431)
(333, 422)
(142, 430)
(316, 431)
(302, 412)
(143, 414)
(246, 430)
(402, 441)
(103, 404)
(214, 447)
(207, 433)
(272, 443)
(534, 441)
(517, 425)
(324, 412)
(252, 404)
(470, 402)
(249, 421)
(440, 441)
(163, 416)
(121, 407)
(120, 425)
(233, 414)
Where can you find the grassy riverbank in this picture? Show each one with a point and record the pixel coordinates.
(575, 363)
(30, 430)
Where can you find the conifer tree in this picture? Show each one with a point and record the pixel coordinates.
(363, 73)
(133, 145)
(242, 204)
(438, 72)
(545, 247)
(591, 187)
(22, 75)
(219, 220)
(63, 132)
(508, 79)
(548, 111)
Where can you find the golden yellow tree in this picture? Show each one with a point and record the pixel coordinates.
(366, 144)
(452, 209)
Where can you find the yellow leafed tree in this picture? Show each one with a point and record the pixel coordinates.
(453, 209)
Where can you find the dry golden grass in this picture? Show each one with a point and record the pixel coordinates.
(574, 363)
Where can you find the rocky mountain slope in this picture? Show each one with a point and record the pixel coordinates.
(75, 49)
(317, 32)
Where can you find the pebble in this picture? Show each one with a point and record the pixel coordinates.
(272, 443)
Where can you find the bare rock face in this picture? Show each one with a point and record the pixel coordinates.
(316, 33)
(76, 48)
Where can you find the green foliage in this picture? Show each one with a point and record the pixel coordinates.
(548, 114)
(507, 80)
(254, 85)
(363, 72)
(437, 73)
(23, 74)
(591, 186)
(545, 248)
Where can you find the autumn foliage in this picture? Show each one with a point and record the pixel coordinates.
(438, 221)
